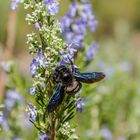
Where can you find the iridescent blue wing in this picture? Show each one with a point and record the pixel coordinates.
(56, 99)
(89, 77)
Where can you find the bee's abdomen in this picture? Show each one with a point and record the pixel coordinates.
(74, 87)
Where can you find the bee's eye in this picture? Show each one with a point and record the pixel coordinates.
(66, 76)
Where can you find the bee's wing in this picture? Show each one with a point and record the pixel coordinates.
(89, 77)
(56, 99)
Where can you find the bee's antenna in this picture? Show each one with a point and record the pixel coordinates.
(71, 63)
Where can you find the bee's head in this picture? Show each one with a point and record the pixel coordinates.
(63, 75)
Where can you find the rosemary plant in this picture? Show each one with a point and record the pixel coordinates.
(48, 50)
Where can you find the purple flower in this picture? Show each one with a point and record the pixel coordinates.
(43, 85)
(106, 133)
(108, 70)
(43, 136)
(66, 22)
(71, 50)
(91, 50)
(79, 105)
(3, 122)
(73, 9)
(16, 138)
(14, 4)
(11, 98)
(74, 24)
(27, 123)
(93, 25)
(37, 26)
(1, 117)
(47, 1)
(78, 41)
(33, 66)
(86, 11)
(79, 27)
(32, 112)
(5, 66)
(32, 90)
(51, 6)
(68, 54)
(87, 15)
(40, 54)
(41, 60)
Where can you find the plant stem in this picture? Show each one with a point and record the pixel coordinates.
(53, 120)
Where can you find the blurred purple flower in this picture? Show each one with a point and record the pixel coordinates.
(79, 105)
(66, 22)
(86, 11)
(88, 17)
(14, 4)
(27, 123)
(79, 26)
(91, 50)
(93, 25)
(51, 6)
(43, 136)
(16, 138)
(1, 117)
(108, 70)
(106, 133)
(5, 66)
(37, 26)
(74, 24)
(3, 122)
(11, 98)
(73, 9)
(32, 112)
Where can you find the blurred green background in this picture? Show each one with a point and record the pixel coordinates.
(112, 110)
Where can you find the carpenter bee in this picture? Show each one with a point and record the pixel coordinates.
(69, 81)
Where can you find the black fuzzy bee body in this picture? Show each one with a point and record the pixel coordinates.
(70, 80)
(63, 75)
